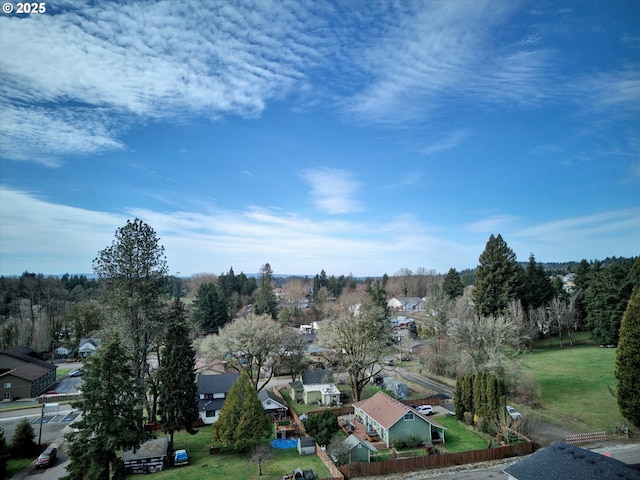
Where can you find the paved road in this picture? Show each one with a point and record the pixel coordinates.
(425, 382)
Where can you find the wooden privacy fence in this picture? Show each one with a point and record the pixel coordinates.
(434, 461)
(575, 438)
(337, 474)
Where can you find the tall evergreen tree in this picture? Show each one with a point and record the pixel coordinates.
(210, 310)
(463, 396)
(378, 294)
(266, 302)
(243, 420)
(178, 403)
(133, 273)
(606, 296)
(498, 278)
(627, 369)
(538, 289)
(111, 416)
(452, 284)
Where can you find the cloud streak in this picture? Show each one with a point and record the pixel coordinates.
(38, 235)
(333, 190)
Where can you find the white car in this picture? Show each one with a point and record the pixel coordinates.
(425, 409)
(516, 415)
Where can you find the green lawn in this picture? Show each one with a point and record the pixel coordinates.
(459, 438)
(62, 371)
(574, 386)
(15, 465)
(233, 466)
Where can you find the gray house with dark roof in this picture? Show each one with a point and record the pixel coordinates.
(23, 376)
(274, 405)
(212, 392)
(562, 461)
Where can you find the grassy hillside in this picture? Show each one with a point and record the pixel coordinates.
(574, 385)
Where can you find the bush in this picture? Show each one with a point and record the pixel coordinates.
(468, 418)
(322, 426)
(23, 444)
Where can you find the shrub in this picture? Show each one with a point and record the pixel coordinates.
(322, 426)
(468, 418)
(23, 444)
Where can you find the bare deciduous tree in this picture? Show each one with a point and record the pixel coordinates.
(256, 344)
(358, 334)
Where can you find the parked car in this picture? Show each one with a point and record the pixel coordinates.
(180, 457)
(516, 415)
(47, 458)
(75, 373)
(425, 409)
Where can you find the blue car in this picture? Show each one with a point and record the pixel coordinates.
(180, 457)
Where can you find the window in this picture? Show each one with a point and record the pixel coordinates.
(408, 416)
(7, 385)
(219, 395)
(211, 413)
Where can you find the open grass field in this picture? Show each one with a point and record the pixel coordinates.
(232, 466)
(574, 384)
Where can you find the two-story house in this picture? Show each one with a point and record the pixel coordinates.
(212, 392)
(23, 376)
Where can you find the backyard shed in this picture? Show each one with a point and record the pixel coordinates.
(359, 450)
(306, 445)
(151, 457)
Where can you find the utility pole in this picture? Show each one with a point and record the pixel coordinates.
(41, 419)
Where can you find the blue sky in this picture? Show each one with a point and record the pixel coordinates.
(352, 136)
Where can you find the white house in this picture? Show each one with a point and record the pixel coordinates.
(62, 352)
(407, 304)
(88, 346)
(212, 392)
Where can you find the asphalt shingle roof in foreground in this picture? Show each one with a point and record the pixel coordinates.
(562, 461)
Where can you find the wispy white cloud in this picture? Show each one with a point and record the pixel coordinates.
(40, 236)
(438, 51)
(448, 141)
(491, 224)
(142, 61)
(333, 190)
(586, 227)
(612, 92)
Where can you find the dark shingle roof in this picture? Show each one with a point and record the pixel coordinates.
(18, 353)
(219, 383)
(28, 371)
(307, 441)
(562, 461)
(265, 394)
(315, 377)
(211, 405)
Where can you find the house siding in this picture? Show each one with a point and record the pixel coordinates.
(14, 387)
(417, 427)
